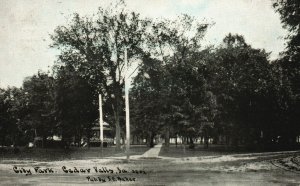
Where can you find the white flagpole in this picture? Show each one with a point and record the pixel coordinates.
(127, 106)
(101, 123)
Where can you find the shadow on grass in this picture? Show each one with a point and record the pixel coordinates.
(182, 151)
(74, 153)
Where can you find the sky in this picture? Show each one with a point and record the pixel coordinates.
(27, 24)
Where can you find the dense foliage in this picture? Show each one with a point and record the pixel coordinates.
(231, 93)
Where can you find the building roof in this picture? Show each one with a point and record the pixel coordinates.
(98, 128)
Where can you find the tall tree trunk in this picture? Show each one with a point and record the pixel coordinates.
(167, 137)
(88, 142)
(88, 135)
(2, 140)
(191, 143)
(118, 129)
(176, 140)
(191, 140)
(206, 142)
(150, 139)
(43, 141)
(79, 139)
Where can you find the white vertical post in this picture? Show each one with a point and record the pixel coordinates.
(127, 106)
(101, 122)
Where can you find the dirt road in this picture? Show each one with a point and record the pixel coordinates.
(241, 169)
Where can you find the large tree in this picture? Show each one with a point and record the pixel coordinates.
(174, 87)
(39, 96)
(76, 109)
(95, 47)
(289, 63)
(245, 87)
(8, 123)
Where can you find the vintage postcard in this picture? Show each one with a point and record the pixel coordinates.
(149, 92)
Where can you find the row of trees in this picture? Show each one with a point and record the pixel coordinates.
(47, 106)
(231, 92)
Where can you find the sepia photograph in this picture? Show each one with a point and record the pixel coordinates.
(150, 92)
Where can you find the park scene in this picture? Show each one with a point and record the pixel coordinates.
(135, 99)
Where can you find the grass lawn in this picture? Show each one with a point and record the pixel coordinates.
(213, 150)
(48, 154)
(192, 167)
(179, 171)
(182, 151)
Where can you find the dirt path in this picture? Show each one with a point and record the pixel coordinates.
(153, 152)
